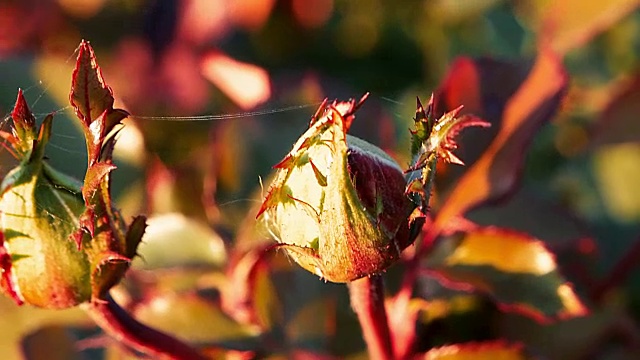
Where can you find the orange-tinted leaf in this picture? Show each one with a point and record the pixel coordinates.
(495, 350)
(246, 84)
(249, 14)
(513, 268)
(569, 24)
(498, 170)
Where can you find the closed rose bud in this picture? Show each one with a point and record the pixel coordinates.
(40, 211)
(337, 203)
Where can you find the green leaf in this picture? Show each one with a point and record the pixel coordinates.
(514, 269)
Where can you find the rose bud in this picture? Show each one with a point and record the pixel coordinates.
(40, 211)
(40, 208)
(337, 203)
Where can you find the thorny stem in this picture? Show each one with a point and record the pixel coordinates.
(413, 263)
(367, 300)
(117, 323)
(619, 273)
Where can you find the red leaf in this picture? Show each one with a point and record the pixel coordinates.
(498, 170)
(6, 280)
(89, 96)
(93, 101)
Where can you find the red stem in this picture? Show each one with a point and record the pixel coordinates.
(619, 273)
(117, 322)
(367, 300)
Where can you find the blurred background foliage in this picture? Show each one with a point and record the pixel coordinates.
(200, 180)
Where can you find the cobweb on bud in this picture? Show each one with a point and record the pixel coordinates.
(39, 98)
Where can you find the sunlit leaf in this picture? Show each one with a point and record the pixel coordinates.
(246, 84)
(569, 24)
(499, 168)
(617, 174)
(173, 239)
(495, 350)
(514, 269)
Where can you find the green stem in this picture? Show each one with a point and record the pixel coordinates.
(367, 300)
(117, 323)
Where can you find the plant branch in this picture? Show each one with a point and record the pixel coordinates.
(367, 300)
(619, 273)
(117, 323)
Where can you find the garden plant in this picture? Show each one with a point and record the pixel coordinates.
(360, 242)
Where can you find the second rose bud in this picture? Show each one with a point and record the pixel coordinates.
(338, 204)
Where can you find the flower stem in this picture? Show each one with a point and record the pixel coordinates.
(619, 274)
(367, 300)
(117, 323)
